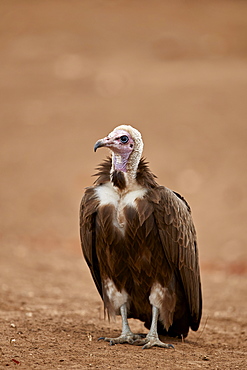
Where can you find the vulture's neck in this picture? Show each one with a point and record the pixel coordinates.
(123, 170)
(144, 176)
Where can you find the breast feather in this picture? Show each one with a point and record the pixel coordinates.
(109, 196)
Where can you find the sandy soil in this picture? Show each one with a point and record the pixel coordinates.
(70, 72)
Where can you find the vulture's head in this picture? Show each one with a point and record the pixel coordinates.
(126, 144)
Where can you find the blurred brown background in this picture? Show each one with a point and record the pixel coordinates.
(70, 71)
(73, 70)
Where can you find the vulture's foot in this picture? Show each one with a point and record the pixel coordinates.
(126, 336)
(152, 338)
(129, 338)
(151, 341)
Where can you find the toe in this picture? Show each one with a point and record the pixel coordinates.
(155, 342)
(170, 346)
(140, 341)
(130, 338)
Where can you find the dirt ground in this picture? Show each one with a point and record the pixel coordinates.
(70, 71)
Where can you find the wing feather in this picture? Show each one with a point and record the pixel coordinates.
(178, 237)
(88, 211)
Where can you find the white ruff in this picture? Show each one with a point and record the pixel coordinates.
(130, 198)
(108, 195)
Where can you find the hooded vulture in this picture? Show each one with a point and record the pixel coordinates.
(139, 241)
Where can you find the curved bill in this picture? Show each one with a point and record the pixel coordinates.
(99, 144)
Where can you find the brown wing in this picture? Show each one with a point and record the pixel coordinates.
(178, 237)
(88, 211)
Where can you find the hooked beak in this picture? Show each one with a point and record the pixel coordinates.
(107, 142)
(99, 144)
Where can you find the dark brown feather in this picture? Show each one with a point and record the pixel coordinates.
(118, 179)
(159, 245)
(179, 241)
(144, 176)
(88, 211)
(103, 172)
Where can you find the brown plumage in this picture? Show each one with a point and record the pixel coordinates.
(142, 251)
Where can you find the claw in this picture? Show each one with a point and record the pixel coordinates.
(149, 342)
(157, 343)
(123, 338)
(171, 346)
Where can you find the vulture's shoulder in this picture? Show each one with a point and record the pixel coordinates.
(169, 199)
(89, 203)
(157, 193)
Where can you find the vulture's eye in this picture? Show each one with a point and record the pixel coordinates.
(124, 139)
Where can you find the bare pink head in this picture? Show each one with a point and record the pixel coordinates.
(126, 144)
